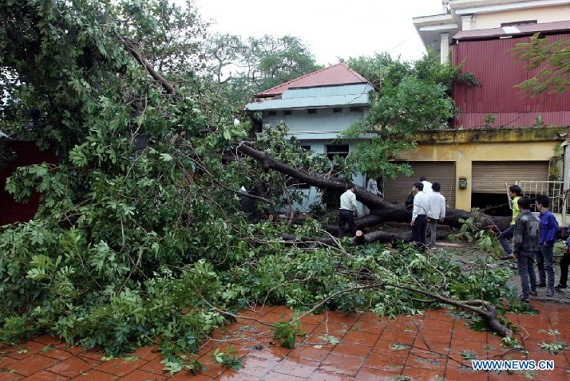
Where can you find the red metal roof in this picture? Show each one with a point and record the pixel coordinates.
(339, 74)
(513, 30)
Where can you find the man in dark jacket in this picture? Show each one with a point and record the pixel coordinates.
(544, 257)
(525, 247)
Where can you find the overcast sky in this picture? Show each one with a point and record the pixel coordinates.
(330, 28)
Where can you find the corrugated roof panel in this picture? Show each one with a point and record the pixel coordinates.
(513, 30)
(509, 120)
(317, 102)
(494, 65)
(339, 74)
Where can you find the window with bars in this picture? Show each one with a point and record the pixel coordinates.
(333, 150)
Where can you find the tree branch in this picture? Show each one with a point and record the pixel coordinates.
(147, 66)
(380, 210)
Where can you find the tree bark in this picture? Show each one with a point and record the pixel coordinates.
(359, 239)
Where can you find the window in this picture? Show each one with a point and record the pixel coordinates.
(357, 109)
(337, 109)
(258, 125)
(287, 112)
(312, 111)
(337, 150)
(272, 113)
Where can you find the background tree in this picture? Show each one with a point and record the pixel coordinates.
(410, 98)
(551, 60)
(242, 68)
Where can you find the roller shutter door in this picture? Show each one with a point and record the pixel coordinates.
(490, 177)
(443, 172)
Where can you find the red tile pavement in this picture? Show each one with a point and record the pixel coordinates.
(432, 346)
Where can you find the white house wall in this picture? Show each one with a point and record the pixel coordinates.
(545, 15)
(324, 124)
(334, 109)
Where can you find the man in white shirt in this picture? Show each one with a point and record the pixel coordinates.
(347, 211)
(436, 212)
(427, 185)
(419, 216)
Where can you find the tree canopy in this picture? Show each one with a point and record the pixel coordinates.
(410, 98)
(240, 68)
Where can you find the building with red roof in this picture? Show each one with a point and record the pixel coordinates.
(316, 107)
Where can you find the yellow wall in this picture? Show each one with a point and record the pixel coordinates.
(466, 146)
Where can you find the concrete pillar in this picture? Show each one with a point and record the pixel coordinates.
(463, 168)
(444, 47)
(566, 165)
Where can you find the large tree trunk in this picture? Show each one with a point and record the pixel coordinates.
(380, 210)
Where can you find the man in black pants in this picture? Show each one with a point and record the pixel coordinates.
(419, 216)
(564, 263)
(347, 210)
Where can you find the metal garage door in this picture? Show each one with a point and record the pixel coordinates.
(441, 171)
(490, 177)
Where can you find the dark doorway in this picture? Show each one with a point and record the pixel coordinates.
(493, 204)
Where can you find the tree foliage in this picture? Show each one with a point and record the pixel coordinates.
(550, 61)
(139, 238)
(242, 67)
(410, 98)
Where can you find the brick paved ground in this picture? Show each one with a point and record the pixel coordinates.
(433, 346)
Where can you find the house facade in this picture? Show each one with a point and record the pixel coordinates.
(500, 135)
(437, 31)
(316, 108)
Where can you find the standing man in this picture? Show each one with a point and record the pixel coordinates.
(419, 216)
(564, 263)
(436, 212)
(544, 257)
(427, 185)
(526, 236)
(515, 195)
(347, 210)
(372, 187)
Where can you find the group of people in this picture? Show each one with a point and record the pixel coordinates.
(533, 237)
(428, 209)
(533, 240)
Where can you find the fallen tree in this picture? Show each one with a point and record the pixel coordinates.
(138, 233)
(481, 308)
(381, 211)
